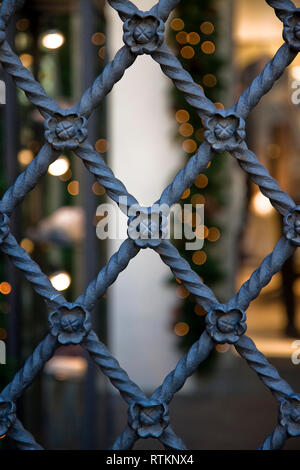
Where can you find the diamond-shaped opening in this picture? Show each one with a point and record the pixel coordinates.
(140, 145)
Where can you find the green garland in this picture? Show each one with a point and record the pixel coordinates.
(195, 53)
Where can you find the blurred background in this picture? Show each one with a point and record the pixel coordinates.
(146, 132)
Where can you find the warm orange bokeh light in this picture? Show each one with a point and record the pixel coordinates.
(5, 288)
(177, 24)
(207, 27)
(201, 181)
(208, 47)
(181, 329)
(187, 52)
(182, 116)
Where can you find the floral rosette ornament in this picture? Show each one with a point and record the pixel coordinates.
(225, 324)
(4, 227)
(148, 418)
(291, 226)
(291, 30)
(143, 33)
(70, 324)
(149, 226)
(7, 415)
(225, 131)
(289, 415)
(66, 132)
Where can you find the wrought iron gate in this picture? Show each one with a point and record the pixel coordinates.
(69, 323)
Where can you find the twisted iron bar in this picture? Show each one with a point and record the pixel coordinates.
(33, 365)
(187, 175)
(112, 73)
(182, 270)
(193, 93)
(248, 161)
(111, 368)
(70, 323)
(107, 276)
(264, 81)
(27, 180)
(32, 272)
(267, 373)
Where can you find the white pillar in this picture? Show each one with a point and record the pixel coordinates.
(145, 157)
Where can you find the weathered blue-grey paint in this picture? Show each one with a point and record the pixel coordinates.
(69, 323)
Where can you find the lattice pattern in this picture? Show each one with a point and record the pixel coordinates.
(224, 130)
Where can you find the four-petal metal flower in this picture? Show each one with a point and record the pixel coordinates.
(148, 418)
(149, 227)
(66, 131)
(70, 323)
(291, 30)
(7, 415)
(291, 226)
(225, 131)
(4, 227)
(143, 33)
(289, 415)
(225, 324)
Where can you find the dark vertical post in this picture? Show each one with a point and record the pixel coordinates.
(11, 135)
(88, 59)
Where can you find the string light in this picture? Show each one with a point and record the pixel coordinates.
(201, 181)
(27, 245)
(209, 80)
(181, 37)
(73, 188)
(199, 257)
(187, 52)
(182, 292)
(219, 105)
(189, 146)
(181, 329)
(25, 156)
(53, 40)
(26, 59)
(182, 116)
(5, 288)
(60, 281)
(102, 145)
(208, 47)
(197, 199)
(193, 38)
(186, 130)
(102, 52)
(201, 232)
(98, 39)
(261, 204)
(214, 234)
(177, 24)
(98, 189)
(59, 167)
(186, 194)
(207, 27)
